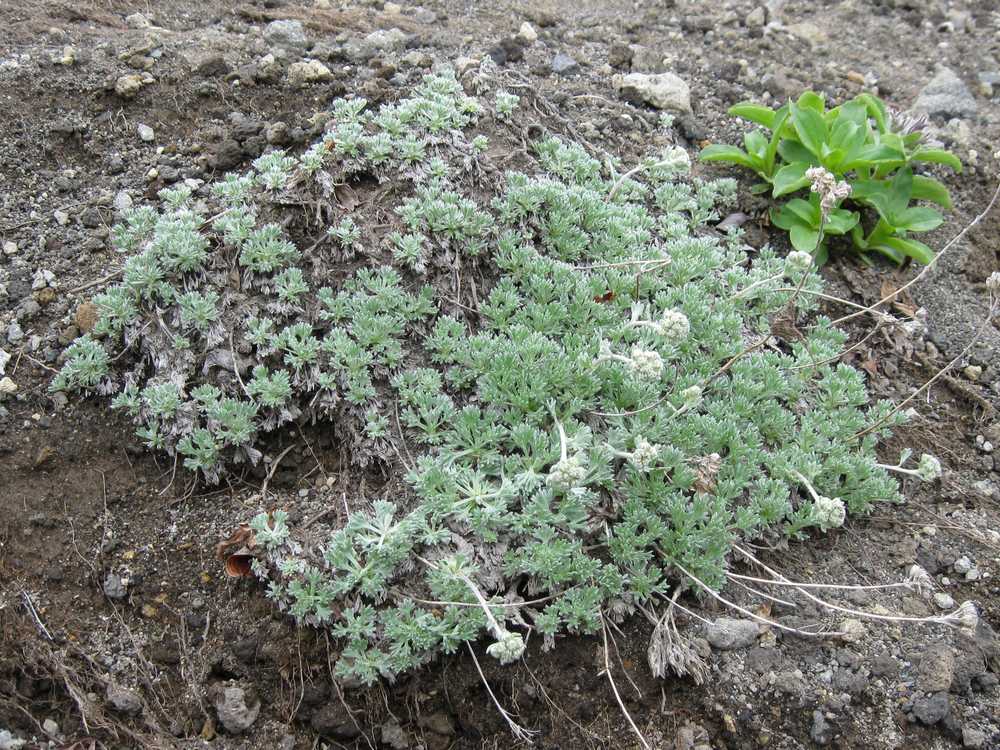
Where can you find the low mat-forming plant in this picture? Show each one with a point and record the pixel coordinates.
(857, 159)
(605, 415)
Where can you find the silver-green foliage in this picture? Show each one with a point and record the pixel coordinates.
(613, 411)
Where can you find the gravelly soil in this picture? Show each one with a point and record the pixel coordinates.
(80, 501)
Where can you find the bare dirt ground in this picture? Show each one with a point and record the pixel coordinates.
(118, 628)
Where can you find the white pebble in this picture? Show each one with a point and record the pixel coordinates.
(944, 601)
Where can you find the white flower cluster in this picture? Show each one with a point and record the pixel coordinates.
(797, 263)
(674, 325)
(644, 455)
(830, 191)
(691, 395)
(567, 473)
(646, 364)
(508, 647)
(993, 283)
(829, 512)
(929, 468)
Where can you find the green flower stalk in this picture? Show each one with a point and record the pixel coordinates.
(928, 468)
(569, 471)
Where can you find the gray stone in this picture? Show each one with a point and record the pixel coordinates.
(424, 16)
(946, 95)
(394, 736)
(378, 42)
(114, 587)
(727, 633)
(931, 709)
(9, 741)
(145, 132)
(333, 720)
(564, 64)
(14, 333)
(287, 35)
(756, 18)
(763, 660)
(850, 682)
(123, 700)
(808, 32)
(937, 668)
(822, 731)
(439, 723)
(127, 86)
(236, 709)
(988, 80)
(137, 21)
(307, 72)
(620, 55)
(664, 91)
(944, 601)
(50, 727)
(973, 738)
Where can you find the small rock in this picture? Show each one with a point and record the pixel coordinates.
(237, 711)
(439, 723)
(10, 248)
(127, 86)
(944, 601)
(137, 21)
(67, 58)
(664, 91)
(962, 565)
(620, 55)
(394, 736)
(946, 95)
(286, 35)
(61, 217)
(937, 668)
(973, 738)
(973, 372)
(417, 59)
(378, 42)
(42, 278)
(50, 728)
(822, 731)
(728, 633)
(756, 18)
(123, 700)
(7, 387)
(227, 155)
(853, 630)
(14, 333)
(808, 32)
(278, 134)
(307, 72)
(463, 65)
(114, 586)
(527, 33)
(145, 132)
(333, 720)
(424, 16)
(563, 64)
(930, 710)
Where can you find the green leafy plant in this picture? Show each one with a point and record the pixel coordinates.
(569, 375)
(861, 145)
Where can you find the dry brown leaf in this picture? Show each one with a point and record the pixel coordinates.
(706, 469)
